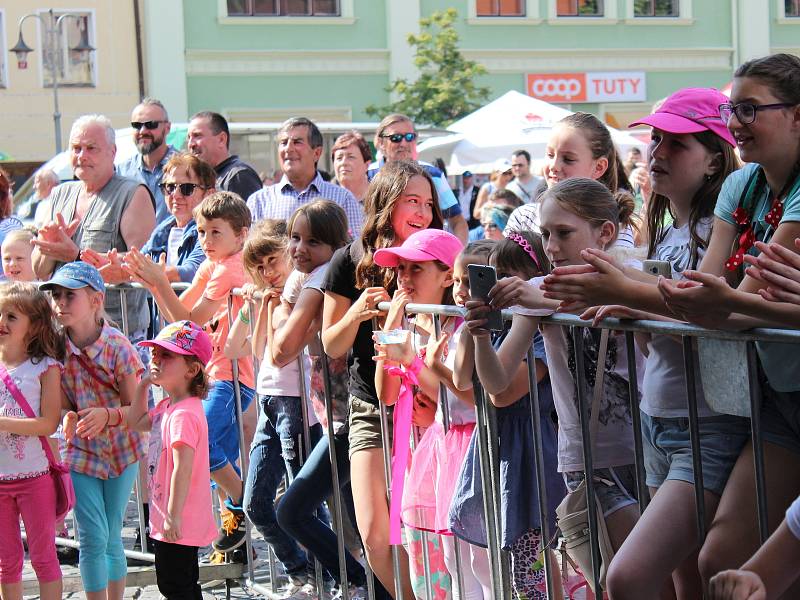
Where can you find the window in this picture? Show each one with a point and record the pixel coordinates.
(281, 8)
(74, 68)
(500, 8)
(579, 8)
(792, 8)
(656, 8)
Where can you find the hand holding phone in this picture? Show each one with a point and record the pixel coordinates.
(482, 278)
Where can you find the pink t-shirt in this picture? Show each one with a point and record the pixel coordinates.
(183, 423)
(218, 279)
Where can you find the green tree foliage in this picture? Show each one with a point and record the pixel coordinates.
(445, 90)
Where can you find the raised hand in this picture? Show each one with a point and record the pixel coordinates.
(435, 350)
(142, 269)
(54, 240)
(397, 310)
(366, 306)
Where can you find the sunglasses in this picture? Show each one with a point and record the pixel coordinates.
(187, 189)
(137, 125)
(396, 138)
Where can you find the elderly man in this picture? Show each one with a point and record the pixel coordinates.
(151, 126)
(396, 139)
(299, 149)
(525, 184)
(101, 211)
(209, 138)
(43, 183)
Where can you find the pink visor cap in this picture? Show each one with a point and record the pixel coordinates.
(183, 337)
(691, 110)
(422, 246)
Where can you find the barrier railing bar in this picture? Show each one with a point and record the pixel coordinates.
(643, 494)
(584, 412)
(387, 471)
(541, 484)
(251, 311)
(757, 441)
(694, 438)
(337, 497)
(458, 580)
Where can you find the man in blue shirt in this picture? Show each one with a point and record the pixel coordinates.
(396, 139)
(151, 126)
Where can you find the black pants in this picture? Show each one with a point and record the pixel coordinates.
(177, 571)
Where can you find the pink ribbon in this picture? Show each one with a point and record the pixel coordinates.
(401, 423)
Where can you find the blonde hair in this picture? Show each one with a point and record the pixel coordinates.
(44, 338)
(19, 235)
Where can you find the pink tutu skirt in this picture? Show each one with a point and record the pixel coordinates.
(433, 475)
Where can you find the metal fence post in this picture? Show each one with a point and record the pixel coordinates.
(757, 441)
(636, 417)
(694, 433)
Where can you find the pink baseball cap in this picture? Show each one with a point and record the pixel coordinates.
(422, 246)
(691, 110)
(183, 337)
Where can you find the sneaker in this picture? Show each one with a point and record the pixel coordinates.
(240, 555)
(353, 593)
(216, 558)
(294, 585)
(308, 592)
(67, 555)
(232, 533)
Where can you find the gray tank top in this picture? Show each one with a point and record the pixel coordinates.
(99, 230)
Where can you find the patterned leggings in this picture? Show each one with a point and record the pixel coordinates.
(527, 568)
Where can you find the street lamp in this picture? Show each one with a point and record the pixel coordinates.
(53, 33)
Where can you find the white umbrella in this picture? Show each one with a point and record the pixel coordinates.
(513, 121)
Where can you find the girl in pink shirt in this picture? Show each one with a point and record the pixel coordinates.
(181, 518)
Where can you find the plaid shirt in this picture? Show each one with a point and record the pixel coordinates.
(280, 200)
(113, 356)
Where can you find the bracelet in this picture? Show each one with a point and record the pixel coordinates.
(244, 318)
(121, 417)
(108, 417)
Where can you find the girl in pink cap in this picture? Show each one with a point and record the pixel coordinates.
(181, 517)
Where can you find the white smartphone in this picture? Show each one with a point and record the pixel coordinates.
(658, 267)
(482, 278)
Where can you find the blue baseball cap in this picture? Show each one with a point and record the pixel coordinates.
(76, 275)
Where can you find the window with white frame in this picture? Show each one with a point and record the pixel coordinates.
(283, 8)
(792, 8)
(500, 8)
(74, 68)
(579, 8)
(656, 8)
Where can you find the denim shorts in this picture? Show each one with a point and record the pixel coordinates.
(615, 487)
(365, 425)
(668, 449)
(223, 428)
(780, 418)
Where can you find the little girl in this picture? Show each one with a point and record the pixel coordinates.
(424, 268)
(181, 517)
(519, 255)
(576, 214)
(30, 349)
(580, 145)
(274, 452)
(101, 372)
(16, 254)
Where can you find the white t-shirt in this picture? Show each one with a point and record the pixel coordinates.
(174, 244)
(664, 386)
(793, 518)
(22, 456)
(613, 445)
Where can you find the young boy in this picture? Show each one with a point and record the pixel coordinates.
(223, 220)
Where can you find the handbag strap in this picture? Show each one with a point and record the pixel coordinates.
(599, 377)
(95, 373)
(26, 408)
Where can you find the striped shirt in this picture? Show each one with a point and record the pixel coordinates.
(280, 200)
(112, 357)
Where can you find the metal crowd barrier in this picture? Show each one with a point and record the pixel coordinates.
(489, 454)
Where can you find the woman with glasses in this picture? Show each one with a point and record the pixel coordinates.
(760, 202)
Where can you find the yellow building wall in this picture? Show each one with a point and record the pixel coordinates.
(26, 106)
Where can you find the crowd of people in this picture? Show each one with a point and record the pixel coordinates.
(303, 345)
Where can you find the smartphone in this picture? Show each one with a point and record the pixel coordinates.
(482, 279)
(658, 267)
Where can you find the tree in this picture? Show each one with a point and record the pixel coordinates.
(446, 88)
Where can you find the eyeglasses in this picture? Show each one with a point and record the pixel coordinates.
(187, 189)
(490, 226)
(746, 112)
(396, 138)
(137, 125)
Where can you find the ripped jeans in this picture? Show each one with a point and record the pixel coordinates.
(277, 450)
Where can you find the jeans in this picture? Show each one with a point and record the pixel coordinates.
(308, 490)
(277, 450)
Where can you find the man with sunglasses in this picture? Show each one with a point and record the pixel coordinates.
(151, 126)
(396, 139)
(209, 138)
